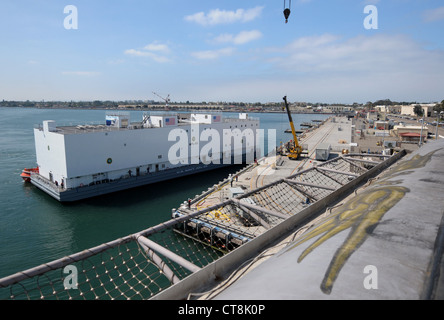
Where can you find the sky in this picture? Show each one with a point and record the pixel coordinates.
(330, 51)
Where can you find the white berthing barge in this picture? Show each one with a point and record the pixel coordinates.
(78, 162)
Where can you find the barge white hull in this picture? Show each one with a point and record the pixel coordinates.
(98, 189)
(76, 163)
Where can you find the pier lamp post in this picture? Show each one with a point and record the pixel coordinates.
(422, 127)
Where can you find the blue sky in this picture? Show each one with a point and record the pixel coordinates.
(222, 50)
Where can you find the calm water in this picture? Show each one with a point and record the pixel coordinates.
(35, 228)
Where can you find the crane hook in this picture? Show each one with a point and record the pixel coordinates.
(287, 11)
(286, 14)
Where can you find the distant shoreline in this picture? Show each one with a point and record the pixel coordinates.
(174, 110)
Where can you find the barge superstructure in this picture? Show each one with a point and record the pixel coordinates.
(83, 161)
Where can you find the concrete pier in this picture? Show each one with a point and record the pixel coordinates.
(336, 131)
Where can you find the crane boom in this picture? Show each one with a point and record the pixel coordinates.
(167, 99)
(295, 150)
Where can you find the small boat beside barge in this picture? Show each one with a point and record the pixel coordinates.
(26, 173)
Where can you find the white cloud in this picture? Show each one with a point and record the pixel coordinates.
(311, 42)
(434, 14)
(136, 53)
(334, 69)
(217, 16)
(241, 38)
(156, 51)
(159, 47)
(212, 54)
(375, 54)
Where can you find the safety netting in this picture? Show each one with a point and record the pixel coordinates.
(141, 265)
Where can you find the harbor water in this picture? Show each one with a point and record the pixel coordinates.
(35, 228)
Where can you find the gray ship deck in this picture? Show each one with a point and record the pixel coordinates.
(385, 241)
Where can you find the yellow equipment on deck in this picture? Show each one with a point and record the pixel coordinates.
(295, 149)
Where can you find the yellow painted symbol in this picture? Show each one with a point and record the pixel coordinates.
(361, 215)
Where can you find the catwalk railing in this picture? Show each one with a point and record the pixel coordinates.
(142, 265)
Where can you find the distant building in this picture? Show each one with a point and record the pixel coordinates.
(372, 115)
(388, 109)
(409, 110)
(410, 133)
(382, 109)
(338, 109)
(126, 106)
(394, 109)
(382, 125)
